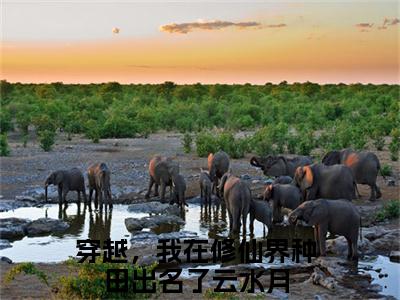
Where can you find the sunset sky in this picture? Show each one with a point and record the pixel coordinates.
(200, 41)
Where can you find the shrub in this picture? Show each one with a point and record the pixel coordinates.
(394, 145)
(4, 148)
(90, 283)
(26, 268)
(187, 140)
(25, 140)
(92, 131)
(386, 170)
(205, 144)
(5, 121)
(46, 139)
(390, 210)
(306, 143)
(262, 142)
(378, 140)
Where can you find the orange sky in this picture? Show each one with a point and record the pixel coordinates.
(295, 42)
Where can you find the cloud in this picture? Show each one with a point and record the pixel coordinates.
(184, 28)
(276, 25)
(364, 25)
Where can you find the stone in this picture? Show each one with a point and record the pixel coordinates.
(394, 256)
(152, 238)
(11, 228)
(46, 226)
(339, 246)
(4, 244)
(6, 205)
(320, 278)
(5, 259)
(391, 182)
(154, 207)
(133, 224)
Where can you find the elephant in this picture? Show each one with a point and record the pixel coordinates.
(364, 165)
(179, 189)
(237, 198)
(283, 180)
(161, 170)
(339, 217)
(330, 182)
(205, 186)
(218, 165)
(99, 181)
(67, 180)
(260, 211)
(282, 195)
(280, 165)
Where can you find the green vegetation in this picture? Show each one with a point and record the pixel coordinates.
(26, 268)
(386, 170)
(292, 118)
(390, 210)
(46, 139)
(394, 146)
(4, 148)
(90, 281)
(187, 140)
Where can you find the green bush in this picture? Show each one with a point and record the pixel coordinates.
(390, 210)
(262, 142)
(187, 140)
(386, 170)
(4, 148)
(46, 139)
(205, 144)
(378, 140)
(92, 131)
(26, 268)
(394, 145)
(90, 282)
(5, 121)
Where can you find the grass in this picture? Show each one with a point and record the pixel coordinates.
(390, 210)
(26, 268)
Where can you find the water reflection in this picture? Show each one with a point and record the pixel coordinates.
(76, 221)
(100, 225)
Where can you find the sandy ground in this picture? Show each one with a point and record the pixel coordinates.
(27, 168)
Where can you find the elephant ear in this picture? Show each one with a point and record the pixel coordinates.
(268, 193)
(221, 185)
(285, 162)
(58, 177)
(316, 214)
(209, 161)
(331, 158)
(308, 178)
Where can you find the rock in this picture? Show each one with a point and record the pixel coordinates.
(6, 205)
(391, 182)
(394, 256)
(255, 181)
(6, 259)
(320, 278)
(133, 224)
(245, 177)
(154, 208)
(4, 244)
(25, 198)
(375, 288)
(147, 260)
(339, 246)
(11, 228)
(388, 242)
(152, 238)
(152, 222)
(45, 226)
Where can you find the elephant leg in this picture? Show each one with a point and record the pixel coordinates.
(84, 194)
(378, 191)
(60, 197)
(349, 248)
(156, 190)
(64, 195)
(244, 220)
(322, 231)
(230, 221)
(79, 197)
(149, 189)
(201, 193)
(90, 194)
(316, 237)
(372, 197)
(252, 224)
(163, 187)
(96, 198)
(355, 248)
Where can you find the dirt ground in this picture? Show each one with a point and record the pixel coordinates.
(27, 168)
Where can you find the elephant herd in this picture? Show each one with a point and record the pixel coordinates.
(319, 194)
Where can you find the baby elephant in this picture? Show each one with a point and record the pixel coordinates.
(260, 211)
(283, 180)
(67, 180)
(205, 186)
(179, 189)
(237, 197)
(282, 195)
(99, 181)
(336, 216)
